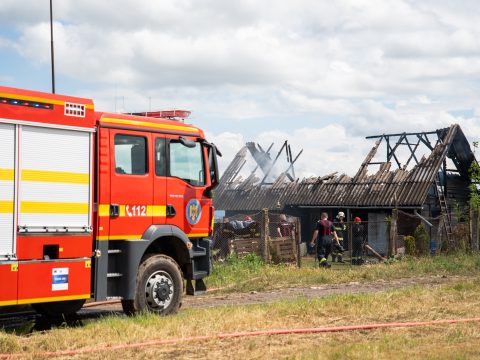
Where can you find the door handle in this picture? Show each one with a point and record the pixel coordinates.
(114, 210)
(171, 210)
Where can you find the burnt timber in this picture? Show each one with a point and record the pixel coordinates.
(387, 188)
(393, 185)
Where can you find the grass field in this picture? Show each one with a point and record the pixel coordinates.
(455, 299)
(251, 274)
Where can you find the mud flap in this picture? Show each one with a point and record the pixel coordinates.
(199, 288)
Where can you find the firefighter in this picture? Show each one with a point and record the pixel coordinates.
(340, 229)
(358, 235)
(223, 233)
(252, 226)
(322, 236)
(285, 228)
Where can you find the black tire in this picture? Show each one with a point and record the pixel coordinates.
(159, 287)
(59, 308)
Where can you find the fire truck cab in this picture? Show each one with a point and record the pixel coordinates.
(101, 206)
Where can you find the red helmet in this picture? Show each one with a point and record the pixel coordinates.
(357, 220)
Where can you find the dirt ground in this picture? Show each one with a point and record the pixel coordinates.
(210, 299)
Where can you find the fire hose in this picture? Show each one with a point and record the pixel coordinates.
(159, 342)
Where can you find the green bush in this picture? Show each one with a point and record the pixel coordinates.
(247, 262)
(410, 245)
(422, 240)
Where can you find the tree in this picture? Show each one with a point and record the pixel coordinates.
(474, 173)
(422, 240)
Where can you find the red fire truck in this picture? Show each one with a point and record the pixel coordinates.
(97, 205)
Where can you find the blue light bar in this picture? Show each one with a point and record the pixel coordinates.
(38, 105)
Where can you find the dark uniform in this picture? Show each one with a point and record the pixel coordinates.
(324, 240)
(341, 230)
(286, 228)
(358, 239)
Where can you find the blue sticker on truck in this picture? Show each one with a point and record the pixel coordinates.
(193, 211)
(59, 279)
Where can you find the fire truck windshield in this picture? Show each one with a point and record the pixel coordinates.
(187, 163)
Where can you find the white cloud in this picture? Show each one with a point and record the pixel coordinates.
(228, 144)
(274, 69)
(325, 150)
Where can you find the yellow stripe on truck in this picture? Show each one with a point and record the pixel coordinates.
(139, 236)
(9, 302)
(199, 235)
(103, 210)
(40, 207)
(6, 174)
(6, 207)
(39, 99)
(55, 176)
(152, 210)
(149, 124)
(119, 237)
(157, 210)
(53, 298)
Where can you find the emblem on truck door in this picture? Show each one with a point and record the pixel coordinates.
(193, 211)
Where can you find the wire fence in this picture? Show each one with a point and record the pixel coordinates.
(273, 237)
(276, 238)
(242, 228)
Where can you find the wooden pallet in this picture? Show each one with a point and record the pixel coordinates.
(242, 247)
(283, 250)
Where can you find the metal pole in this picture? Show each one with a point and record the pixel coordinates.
(51, 48)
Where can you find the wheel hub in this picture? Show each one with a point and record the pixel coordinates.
(159, 290)
(162, 291)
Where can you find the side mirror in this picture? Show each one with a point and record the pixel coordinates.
(187, 142)
(213, 167)
(217, 151)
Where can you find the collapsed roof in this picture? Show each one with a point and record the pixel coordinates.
(387, 188)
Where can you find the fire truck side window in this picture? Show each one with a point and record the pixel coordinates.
(160, 158)
(130, 155)
(187, 163)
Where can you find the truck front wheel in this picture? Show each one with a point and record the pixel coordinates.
(159, 287)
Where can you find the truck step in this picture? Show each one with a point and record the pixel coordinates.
(199, 274)
(114, 251)
(199, 288)
(199, 253)
(114, 275)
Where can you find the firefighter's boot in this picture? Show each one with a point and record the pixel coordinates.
(340, 259)
(324, 263)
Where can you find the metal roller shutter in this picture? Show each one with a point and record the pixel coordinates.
(7, 189)
(55, 178)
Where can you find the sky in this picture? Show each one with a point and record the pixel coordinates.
(321, 74)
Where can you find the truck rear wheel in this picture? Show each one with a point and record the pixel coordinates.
(159, 287)
(58, 308)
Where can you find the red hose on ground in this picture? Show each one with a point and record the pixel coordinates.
(242, 334)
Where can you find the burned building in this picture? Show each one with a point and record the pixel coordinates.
(432, 186)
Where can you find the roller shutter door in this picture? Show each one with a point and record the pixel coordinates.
(55, 177)
(7, 189)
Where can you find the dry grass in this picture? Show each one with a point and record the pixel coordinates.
(454, 300)
(252, 275)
